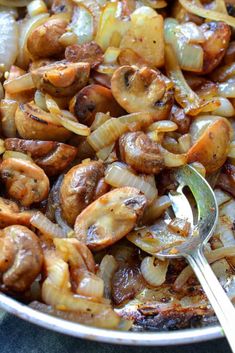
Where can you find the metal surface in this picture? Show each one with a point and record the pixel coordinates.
(108, 336)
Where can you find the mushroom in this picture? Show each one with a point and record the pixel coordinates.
(226, 180)
(88, 52)
(81, 186)
(217, 40)
(141, 153)
(211, 139)
(110, 218)
(24, 181)
(10, 214)
(34, 123)
(21, 257)
(61, 79)
(142, 89)
(53, 157)
(182, 120)
(93, 99)
(43, 41)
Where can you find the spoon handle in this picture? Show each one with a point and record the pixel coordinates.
(219, 300)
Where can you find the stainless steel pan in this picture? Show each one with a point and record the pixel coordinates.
(131, 338)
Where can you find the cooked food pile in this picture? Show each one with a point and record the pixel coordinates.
(99, 102)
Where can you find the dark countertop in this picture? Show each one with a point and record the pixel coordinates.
(18, 336)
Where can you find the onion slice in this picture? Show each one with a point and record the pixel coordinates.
(45, 226)
(19, 84)
(26, 27)
(9, 39)
(118, 175)
(208, 14)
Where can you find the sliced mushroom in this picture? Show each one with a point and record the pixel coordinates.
(141, 153)
(182, 120)
(212, 146)
(43, 41)
(24, 180)
(10, 214)
(53, 157)
(217, 40)
(88, 52)
(81, 186)
(34, 123)
(226, 180)
(21, 257)
(110, 218)
(93, 99)
(142, 90)
(62, 78)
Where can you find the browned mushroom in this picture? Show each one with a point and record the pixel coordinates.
(10, 214)
(24, 180)
(211, 147)
(142, 89)
(141, 153)
(21, 257)
(34, 123)
(217, 40)
(62, 78)
(44, 42)
(81, 186)
(53, 157)
(93, 99)
(110, 218)
(182, 120)
(89, 53)
(226, 180)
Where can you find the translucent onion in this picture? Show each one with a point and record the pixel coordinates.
(45, 226)
(106, 271)
(90, 285)
(190, 56)
(2, 146)
(17, 155)
(56, 292)
(82, 24)
(94, 9)
(111, 55)
(223, 73)
(221, 196)
(100, 118)
(7, 110)
(14, 3)
(202, 12)
(154, 270)
(184, 142)
(65, 118)
(40, 101)
(225, 109)
(36, 7)
(110, 24)
(212, 256)
(137, 121)
(172, 160)
(199, 168)
(155, 4)
(156, 209)
(163, 126)
(107, 134)
(227, 89)
(26, 27)
(118, 175)
(184, 95)
(9, 39)
(105, 152)
(19, 84)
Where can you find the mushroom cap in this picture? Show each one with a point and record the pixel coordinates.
(110, 217)
(142, 89)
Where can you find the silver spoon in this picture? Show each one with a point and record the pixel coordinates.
(192, 248)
